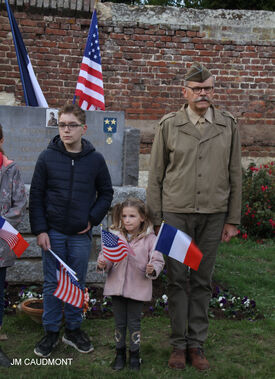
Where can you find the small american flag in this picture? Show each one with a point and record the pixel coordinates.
(89, 86)
(68, 289)
(113, 248)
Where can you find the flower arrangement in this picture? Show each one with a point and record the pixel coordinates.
(161, 305)
(258, 202)
(32, 292)
(236, 307)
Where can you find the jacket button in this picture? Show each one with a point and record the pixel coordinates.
(199, 175)
(200, 157)
(198, 192)
(198, 209)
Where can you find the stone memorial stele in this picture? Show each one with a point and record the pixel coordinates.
(26, 135)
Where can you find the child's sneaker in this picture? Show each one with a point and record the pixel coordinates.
(45, 346)
(78, 339)
(4, 360)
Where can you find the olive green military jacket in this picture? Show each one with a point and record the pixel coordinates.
(190, 173)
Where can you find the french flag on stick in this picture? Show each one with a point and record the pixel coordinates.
(13, 238)
(178, 245)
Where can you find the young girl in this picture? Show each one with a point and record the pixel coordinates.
(129, 281)
(12, 206)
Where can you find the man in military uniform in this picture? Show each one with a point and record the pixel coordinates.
(195, 185)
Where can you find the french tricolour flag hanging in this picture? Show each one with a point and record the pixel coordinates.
(32, 91)
(13, 238)
(178, 245)
(89, 86)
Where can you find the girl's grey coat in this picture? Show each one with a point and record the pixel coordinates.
(12, 204)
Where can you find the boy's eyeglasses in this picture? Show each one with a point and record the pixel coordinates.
(62, 126)
(198, 90)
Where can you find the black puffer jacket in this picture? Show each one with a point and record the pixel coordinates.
(69, 189)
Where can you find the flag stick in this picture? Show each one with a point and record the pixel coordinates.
(101, 243)
(156, 241)
(73, 273)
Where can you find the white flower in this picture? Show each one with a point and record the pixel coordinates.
(246, 303)
(93, 301)
(233, 299)
(165, 298)
(220, 298)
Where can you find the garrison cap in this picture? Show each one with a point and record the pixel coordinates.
(197, 73)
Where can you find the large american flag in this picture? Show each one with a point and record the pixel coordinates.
(89, 86)
(113, 248)
(68, 289)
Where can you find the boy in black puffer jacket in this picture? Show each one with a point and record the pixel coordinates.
(71, 191)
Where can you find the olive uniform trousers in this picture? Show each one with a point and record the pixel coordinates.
(189, 291)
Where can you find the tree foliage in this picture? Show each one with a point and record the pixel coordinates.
(267, 5)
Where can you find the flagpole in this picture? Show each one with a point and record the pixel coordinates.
(156, 241)
(101, 243)
(73, 273)
(17, 53)
(94, 2)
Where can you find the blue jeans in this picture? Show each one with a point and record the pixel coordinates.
(75, 251)
(2, 288)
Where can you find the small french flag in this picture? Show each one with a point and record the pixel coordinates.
(178, 245)
(13, 238)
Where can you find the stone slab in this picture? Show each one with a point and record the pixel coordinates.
(26, 135)
(25, 271)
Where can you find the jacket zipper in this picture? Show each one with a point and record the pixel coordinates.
(71, 191)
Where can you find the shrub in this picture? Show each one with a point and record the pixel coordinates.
(258, 201)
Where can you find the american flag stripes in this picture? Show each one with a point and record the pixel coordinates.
(68, 289)
(89, 86)
(113, 248)
(13, 238)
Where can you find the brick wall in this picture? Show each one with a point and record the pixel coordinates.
(145, 53)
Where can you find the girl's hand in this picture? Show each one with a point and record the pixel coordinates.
(149, 269)
(101, 264)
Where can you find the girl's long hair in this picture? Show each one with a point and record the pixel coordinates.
(1, 136)
(142, 209)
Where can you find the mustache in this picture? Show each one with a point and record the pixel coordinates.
(202, 98)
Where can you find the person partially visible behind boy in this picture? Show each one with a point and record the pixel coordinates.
(71, 191)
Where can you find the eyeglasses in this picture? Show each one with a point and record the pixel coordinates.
(198, 90)
(62, 126)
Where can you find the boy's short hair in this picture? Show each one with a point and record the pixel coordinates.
(75, 110)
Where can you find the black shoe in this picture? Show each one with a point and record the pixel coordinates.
(78, 339)
(134, 360)
(120, 359)
(4, 360)
(45, 346)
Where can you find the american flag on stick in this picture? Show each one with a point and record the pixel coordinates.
(114, 248)
(68, 289)
(89, 86)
